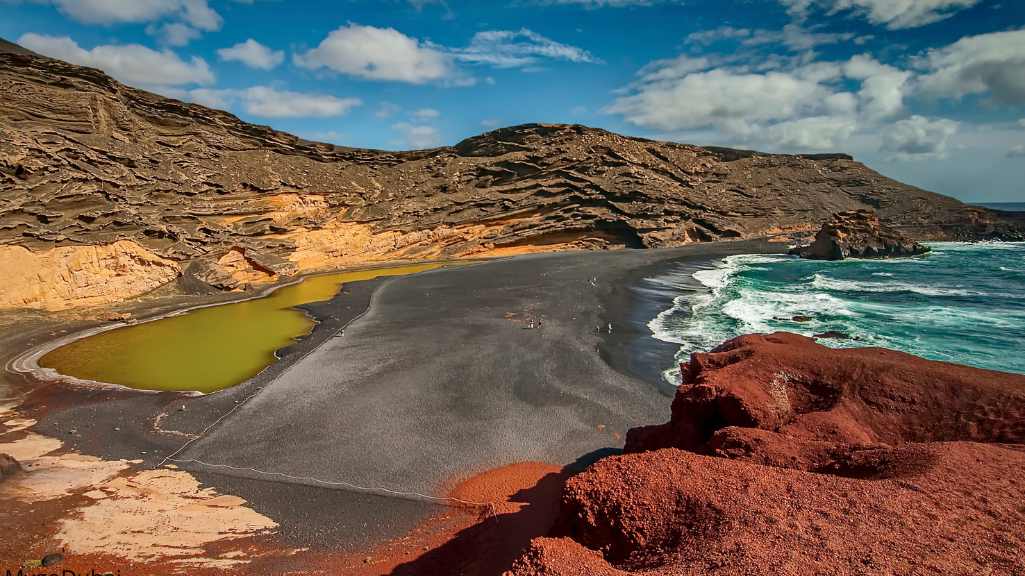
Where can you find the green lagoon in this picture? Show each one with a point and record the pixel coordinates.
(206, 349)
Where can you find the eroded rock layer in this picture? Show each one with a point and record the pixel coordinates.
(786, 457)
(87, 161)
(858, 234)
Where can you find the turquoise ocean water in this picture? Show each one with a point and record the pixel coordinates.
(961, 303)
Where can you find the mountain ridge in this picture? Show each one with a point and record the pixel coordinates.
(87, 162)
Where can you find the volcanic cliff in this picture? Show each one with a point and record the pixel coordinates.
(109, 191)
(783, 456)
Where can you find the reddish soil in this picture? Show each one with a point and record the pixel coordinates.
(786, 457)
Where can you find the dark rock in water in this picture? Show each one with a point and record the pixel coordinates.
(802, 318)
(8, 466)
(834, 335)
(858, 234)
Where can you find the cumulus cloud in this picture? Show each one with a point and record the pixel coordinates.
(802, 106)
(387, 54)
(1017, 151)
(418, 136)
(129, 63)
(518, 48)
(173, 33)
(377, 54)
(919, 137)
(196, 13)
(992, 64)
(893, 14)
(426, 113)
(883, 87)
(735, 100)
(252, 54)
(269, 102)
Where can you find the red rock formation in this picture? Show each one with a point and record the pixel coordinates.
(800, 459)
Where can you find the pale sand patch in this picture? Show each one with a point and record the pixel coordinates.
(30, 447)
(161, 515)
(52, 477)
(18, 424)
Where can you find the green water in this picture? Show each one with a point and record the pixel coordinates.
(206, 349)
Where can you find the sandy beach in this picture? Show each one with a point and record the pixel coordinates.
(407, 385)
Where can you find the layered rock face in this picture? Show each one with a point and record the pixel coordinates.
(87, 161)
(786, 457)
(858, 234)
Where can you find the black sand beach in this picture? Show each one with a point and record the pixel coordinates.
(436, 376)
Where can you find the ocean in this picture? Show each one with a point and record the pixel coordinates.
(962, 303)
(1006, 206)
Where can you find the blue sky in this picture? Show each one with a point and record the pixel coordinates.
(931, 92)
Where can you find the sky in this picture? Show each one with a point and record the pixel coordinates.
(931, 92)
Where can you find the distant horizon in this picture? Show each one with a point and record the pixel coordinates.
(928, 92)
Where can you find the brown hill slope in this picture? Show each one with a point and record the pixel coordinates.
(86, 162)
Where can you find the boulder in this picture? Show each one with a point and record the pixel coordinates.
(8, 467)
(858, 234)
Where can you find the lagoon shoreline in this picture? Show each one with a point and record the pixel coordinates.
(435, 422)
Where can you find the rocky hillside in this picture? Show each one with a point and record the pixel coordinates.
(100, 180)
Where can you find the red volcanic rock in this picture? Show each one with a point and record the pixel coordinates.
(818, 398)
(676, 512)
(783, 456)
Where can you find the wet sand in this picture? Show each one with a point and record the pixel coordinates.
(435, 377)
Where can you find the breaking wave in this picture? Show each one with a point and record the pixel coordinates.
(962, 303)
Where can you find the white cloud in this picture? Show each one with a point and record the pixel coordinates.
(173, 33)
(268, 102)
(252, 54)
(793, 36)
(518, 48)
(893, 14)
(377, 54)
(426, 113)
(991, 64)
(1021, 122)
(812, 133)
(129, 63)
(883, 87)
(675, 97)
(387, 110)
(209, 97)
(919, 137)
(1017, 151)
(418, 136)
(196, 13)
(798, 107)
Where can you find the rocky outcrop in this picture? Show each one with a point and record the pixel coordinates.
(858, 234)
(8, 467)
(87, 161)
(786, 457)
(80, 276)
(755, 393)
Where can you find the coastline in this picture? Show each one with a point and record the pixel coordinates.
(400, 323)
